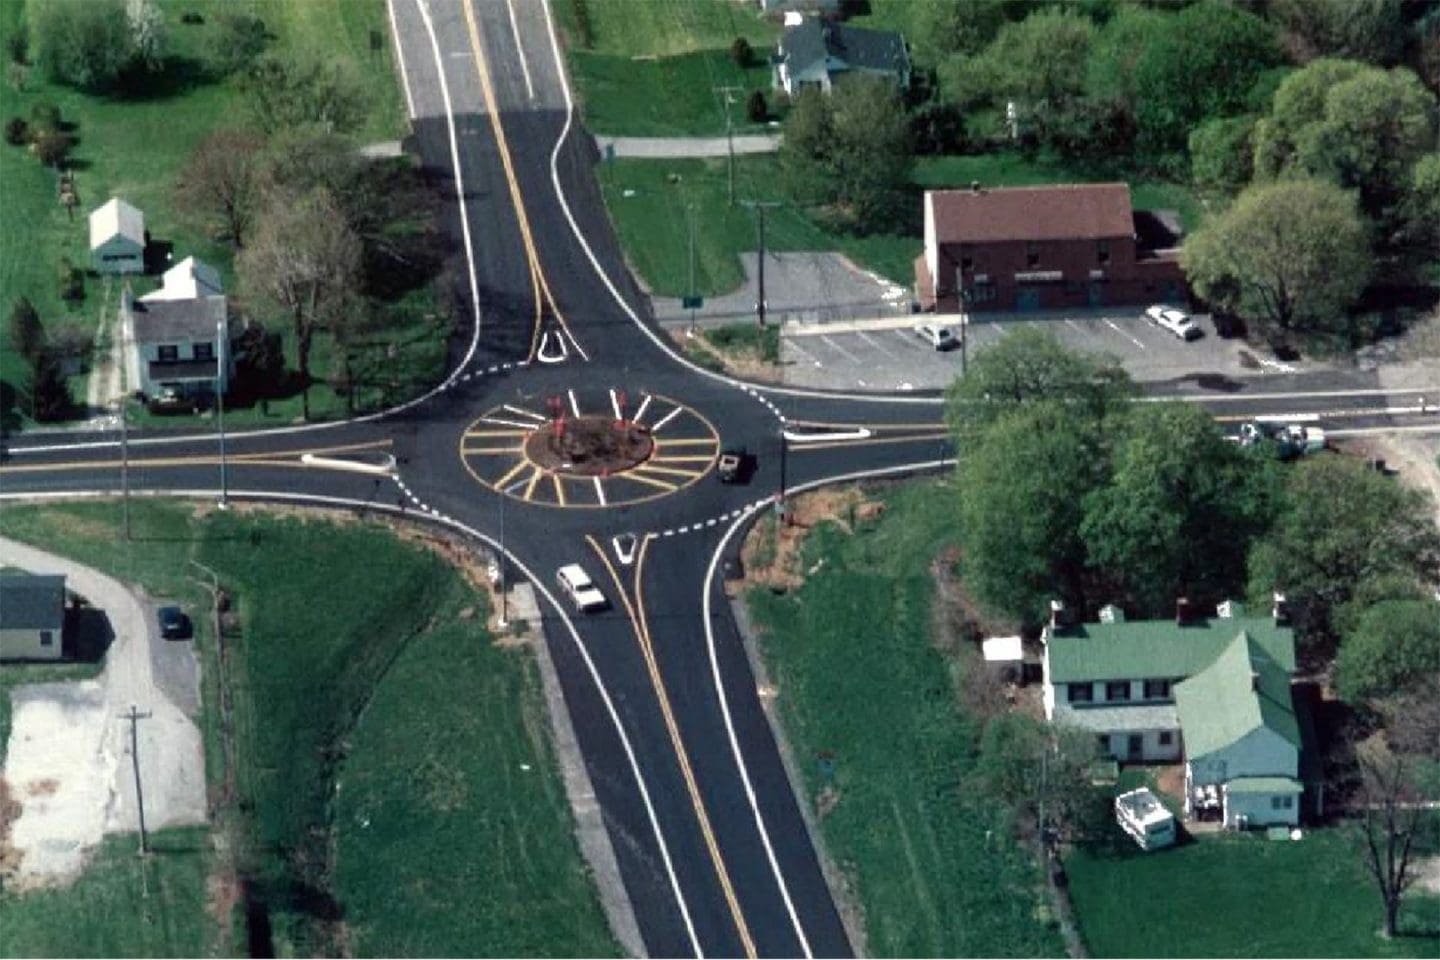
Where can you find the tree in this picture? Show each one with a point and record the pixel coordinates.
(49, 391)
(1339, 525)
(1202, 66)
(305, 259)
(284, 92)
(27, 335)
(1221, 154)
(942, 28)
(1180, 509)
(147, 34)
(1390, 818)
(221, 183)
(1040, 63)
(1368, 30)
(756, 109)
(805, 147)
(1032, 366)
(1392, 644)
(741, 53)
(1360, 127)
(236, 41)
(1035, 770)
(870, 155)
(85, 45)
(51, 146)
(1023, 484)
(1290, 255)
(1421, 209)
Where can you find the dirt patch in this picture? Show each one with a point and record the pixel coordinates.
(771, 552)
(1427, 875)
(42, 788)
(9, 810)
(1411, 457)
(740, 362)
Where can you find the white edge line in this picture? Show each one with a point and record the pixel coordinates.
(493, 544)
(520, 50)
(400, 58)
(705, 602)
(610, 285)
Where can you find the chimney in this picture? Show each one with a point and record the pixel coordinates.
(1057, 614)
(974, 186)
(1184, 612)
(1280, 609)
(1225, 610)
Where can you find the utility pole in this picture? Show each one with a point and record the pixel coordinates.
(759, 207)
(964, 321)
(134, 716)
(690, 211)
(125, 463)
(730, 134)
(220, 385)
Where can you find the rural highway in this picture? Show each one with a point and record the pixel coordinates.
(569, 428)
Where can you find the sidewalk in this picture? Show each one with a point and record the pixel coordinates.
(668, 148)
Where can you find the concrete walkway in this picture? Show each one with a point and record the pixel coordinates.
(68, 762)
(663, 148)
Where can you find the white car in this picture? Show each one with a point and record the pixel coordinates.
(580, 588)
(938, 335)
(1177, 322)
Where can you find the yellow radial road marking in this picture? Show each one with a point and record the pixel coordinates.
(559, 490)
(534, 479)
(511, 474)
(662, 484)
(647, 651)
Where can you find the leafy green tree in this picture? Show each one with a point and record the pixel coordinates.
(1023, 485)
(1111, 72)
(50, 398)
(1027, 367)
(1202, 66)
(870, 155)
(1421, 209)
(741, 53)
(942, 28)
(84, 45)
(805, 148)
(1040, 63)
(1027, 766)
(285, 92)
(305, 259)
(27, 335)
(236, 40)
(1358, 126)
(1368, 30)
(1181, 507)
(1221, 153)
(1290, 255)
(1391, 645)
(1339, 525)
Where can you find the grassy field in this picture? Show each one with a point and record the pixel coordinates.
(653, 226)
(652, 67)
(653, 220)
(136, 147)
(870, 711)
(121, 906)
(1243, 896)
(328, 677)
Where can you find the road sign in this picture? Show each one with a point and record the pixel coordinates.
(692, 303)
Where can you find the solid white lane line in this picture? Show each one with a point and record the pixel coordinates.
(599, 490)
(574, 405)
(666, 419)
(520, 50)
(400, 58)
(615, 404)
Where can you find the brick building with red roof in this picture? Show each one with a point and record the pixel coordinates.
(1042, 248)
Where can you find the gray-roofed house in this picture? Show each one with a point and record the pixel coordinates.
(178, 338)
(32, 616)
(117, 238)
(817, 52)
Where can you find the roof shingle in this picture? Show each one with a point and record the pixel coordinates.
(1086, 211)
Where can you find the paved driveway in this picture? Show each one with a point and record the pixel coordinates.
(886, 353)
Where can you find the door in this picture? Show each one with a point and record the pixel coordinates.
(1135, 746)
(1027, 298)
(1097, 294)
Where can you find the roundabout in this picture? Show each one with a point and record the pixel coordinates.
(589, 449)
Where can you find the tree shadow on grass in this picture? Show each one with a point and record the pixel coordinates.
(177, 76)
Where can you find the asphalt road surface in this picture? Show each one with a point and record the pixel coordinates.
(711, 847)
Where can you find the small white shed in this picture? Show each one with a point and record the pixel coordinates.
(117, 238)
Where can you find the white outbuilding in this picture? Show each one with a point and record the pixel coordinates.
(117, 238)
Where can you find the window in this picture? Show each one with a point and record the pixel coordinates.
(1080, 693)
(1032, 254)
(1157, 689)
(204, 351)
(1117, 690)
(169, 352)
(1102, 252)
(1166, 738)
(47, 638)
(981, 293)
(1282, 803)
(1103, 742)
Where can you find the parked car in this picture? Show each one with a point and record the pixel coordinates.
(1292, 439)
(938, 335)
(580, 589)
(1141, 814)
(174, 625)
(1176, 321)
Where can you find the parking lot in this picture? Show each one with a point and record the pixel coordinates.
(887, 353)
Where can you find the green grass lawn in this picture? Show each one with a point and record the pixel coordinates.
(327, 676)
(1242, 896)
(135, 148)
(653, 66)
(870, 711)
(121, 906)
(653, 224)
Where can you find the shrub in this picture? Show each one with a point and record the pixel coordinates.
(84, 45)
(756, 109)
(72, 281)
(192, 18)
(18, 44)
(741, 52)
(52, 146)
(17, 131)
(45, 117)
(236, 42)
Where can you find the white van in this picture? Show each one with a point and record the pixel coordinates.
(580, 588)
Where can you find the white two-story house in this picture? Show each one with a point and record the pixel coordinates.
(177, 339)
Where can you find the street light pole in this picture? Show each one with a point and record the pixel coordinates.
(220, 403)
(729, 135)
(759, 207)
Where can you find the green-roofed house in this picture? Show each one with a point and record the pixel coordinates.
(1235, 724)
(1242, 740)
(32, 616)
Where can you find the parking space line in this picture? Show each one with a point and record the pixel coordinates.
(840, 350)
(876, 344)
(1116, 327)
(797, 349)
